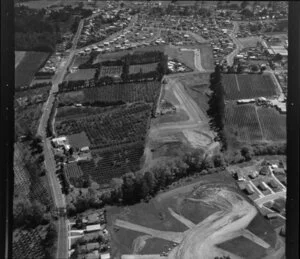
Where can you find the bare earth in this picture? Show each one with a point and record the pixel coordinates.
(200, 240)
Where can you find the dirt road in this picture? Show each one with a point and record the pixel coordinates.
(200, 240)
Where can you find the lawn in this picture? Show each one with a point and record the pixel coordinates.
(144, 68)
(245, 86)
(249, 42)
(81, 74)
(207, 60)
(29, 65)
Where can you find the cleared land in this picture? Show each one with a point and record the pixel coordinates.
(246, 86)
(220, 215)
(28, 66)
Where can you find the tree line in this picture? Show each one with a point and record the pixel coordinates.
(132, 187)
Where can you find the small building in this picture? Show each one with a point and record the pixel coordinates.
(262, 185)
(253, 174)
(91, 228)
(249, 189)
(273, 184)
(265, 170)
(105, 256)
(60, 141)
(272, 215)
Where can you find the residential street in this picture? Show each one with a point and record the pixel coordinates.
(238, 44)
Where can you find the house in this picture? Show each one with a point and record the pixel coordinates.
(105, 256)
(91, 228)
(272, 215)
(273, 184)
(249, 189)
(265, 170)
(262, 185)
(60, 141)
(253, 174)
(239, 176)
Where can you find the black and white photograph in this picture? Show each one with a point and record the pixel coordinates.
(150, 130)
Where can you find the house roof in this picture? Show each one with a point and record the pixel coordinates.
(79, 140)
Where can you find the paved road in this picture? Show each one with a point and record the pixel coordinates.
(238, 44)
(50, 165)
(270, 197)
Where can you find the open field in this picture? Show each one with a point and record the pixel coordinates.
(81, 74)
(270, 117)
(207, 60)
(28, 66)
(214, 218)
(19, 55)
(246, 86)
(249, 42)
(243, 122)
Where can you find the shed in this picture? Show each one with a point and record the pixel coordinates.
(90, 228)
(253, 174)
(105, 256)
(272, 215)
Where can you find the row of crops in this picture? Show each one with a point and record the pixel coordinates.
(113, 162)
(255, 124)
(245, 86)
(104, 130)
(132, 92)
(27, 244)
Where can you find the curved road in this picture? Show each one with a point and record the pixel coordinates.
(238, 44)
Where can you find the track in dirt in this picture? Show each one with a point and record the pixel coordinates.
(200, 240)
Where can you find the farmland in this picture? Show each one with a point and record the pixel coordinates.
(29, 65)
(28, 243)
(112, 71)
(244, 123)
(269, 118)
(249, 123)
(81, 74)
(124, 125)
(132, 92)
(247, 86)
(144, 68)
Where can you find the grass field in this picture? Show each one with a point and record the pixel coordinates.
(19, 55)
(81, 74)
(246, 86)
(244, 248)
(180, 115)
(79, 60)
(249, 42)
(186, 57)
(207, 59)
(269, 117)
(29, 65)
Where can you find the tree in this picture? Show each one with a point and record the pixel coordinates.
(218, 160)
(128, 188)
(254, 68)
(247, 153)
(244, 4)
(277, 57)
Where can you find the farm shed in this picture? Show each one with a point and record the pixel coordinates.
(95, 227)
(60, 141)
(272, 215)
(79, 140)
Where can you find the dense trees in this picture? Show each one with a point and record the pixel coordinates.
(216, 103)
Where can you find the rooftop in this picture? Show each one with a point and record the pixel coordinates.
(79, 140)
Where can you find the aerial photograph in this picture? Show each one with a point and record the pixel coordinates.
(150, 129)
